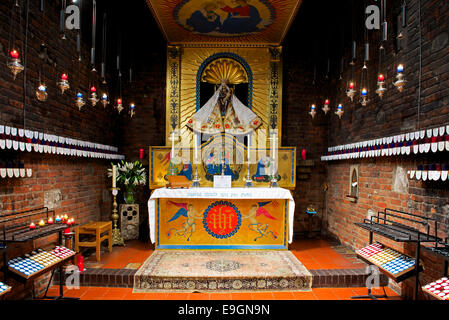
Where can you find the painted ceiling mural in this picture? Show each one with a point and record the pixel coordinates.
(262, 22)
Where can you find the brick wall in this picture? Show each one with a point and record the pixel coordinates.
(81, 182)
(395, 113)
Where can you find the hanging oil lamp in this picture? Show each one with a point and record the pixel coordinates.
(14, 63)
(64, 83)
(351, 90)
(132, 107)
(41, 92)
(326, 106)
(339, 111)
(381, 85)
(364, 100)
(119, 105)
(104, 100)
(93, 96)
(400, 82)
(79, 102)
(312, 111)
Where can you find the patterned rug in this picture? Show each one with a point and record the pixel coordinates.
(222, 271)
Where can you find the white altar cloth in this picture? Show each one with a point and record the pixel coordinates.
(221, 193)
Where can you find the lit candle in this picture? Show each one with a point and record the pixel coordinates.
(14, 54)
(93, 89)
(64, 76)
(32, 226)
(340, 107)
(41, 223)
(313, 108)
(351, 85)
(65, 218)
(195, 147)
(381, 78)
(400, 68)
(114, 176)
(58, 219)
(50, 220)
(364, 92)
(326, 101)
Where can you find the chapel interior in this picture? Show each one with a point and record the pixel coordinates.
(224, 150)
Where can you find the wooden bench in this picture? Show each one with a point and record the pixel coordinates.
(96, 229)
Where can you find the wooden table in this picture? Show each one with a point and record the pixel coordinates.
(96, 229)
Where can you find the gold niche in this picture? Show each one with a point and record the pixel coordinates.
(224, 68)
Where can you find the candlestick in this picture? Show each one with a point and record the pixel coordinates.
(116, 234)
(248, 182)
(273, 182)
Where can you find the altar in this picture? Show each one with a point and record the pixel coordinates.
(221, 218)
(223, 118)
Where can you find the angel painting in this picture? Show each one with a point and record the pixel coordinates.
(254, 225)
(189, 226)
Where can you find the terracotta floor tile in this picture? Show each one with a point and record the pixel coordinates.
(283, 295)
(220, 296)
(136, 296)
(155, 296)
(325, 294)
(241, 296)
(95, 293)
(199, 296)
(116, 293)
(177, 296)
(308, 295)
(262, 296)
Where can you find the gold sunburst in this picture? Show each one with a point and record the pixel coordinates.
(224, 69)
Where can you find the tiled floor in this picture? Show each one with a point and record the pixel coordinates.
(314, 254)
(103, 293)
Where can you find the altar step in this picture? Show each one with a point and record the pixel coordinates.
(324, 278)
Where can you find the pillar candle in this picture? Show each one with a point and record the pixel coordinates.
(195, 146)
(114, 176)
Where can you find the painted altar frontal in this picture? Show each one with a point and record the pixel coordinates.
(221, 218)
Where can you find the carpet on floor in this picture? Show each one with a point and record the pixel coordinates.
(222, 271)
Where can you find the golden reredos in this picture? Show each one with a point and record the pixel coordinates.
(224, 69)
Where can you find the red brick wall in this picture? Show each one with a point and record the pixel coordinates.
(82, 182)
(396, 113)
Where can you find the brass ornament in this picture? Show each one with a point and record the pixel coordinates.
(224, 69)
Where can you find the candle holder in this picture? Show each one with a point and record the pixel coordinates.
(196, 181)
(117, 239)
(248, 181)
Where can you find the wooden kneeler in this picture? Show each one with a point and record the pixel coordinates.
(96, 229)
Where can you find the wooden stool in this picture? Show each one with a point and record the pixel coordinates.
(96, 229)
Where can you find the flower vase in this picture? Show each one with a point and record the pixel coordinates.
(128, 196)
